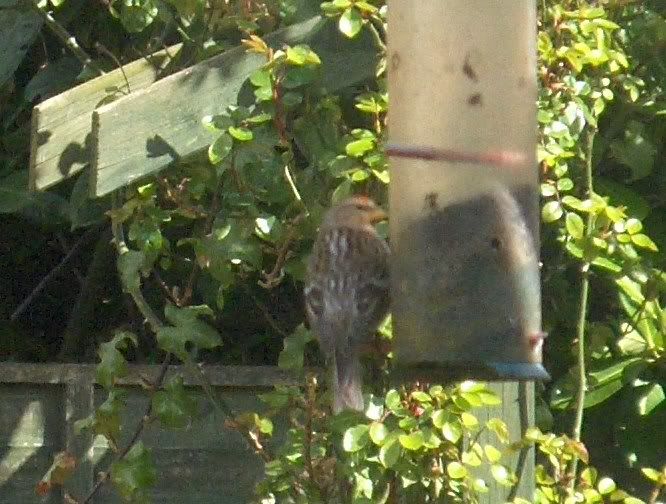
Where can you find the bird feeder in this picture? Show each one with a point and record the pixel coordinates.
(464, 189)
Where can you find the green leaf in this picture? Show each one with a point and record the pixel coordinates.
(421, 396)
(452, 431)
(173, 406)
(650, 399)
(439, 418)
(240, 134)
(389, 453)
(412, 441)
(393, 401)
(456, 470)
(469, 420)
(643, 241)
(575, 225)
(492, 454)
(134, 474)
(355, 438)
(654, 475)
(186, 330)
(112, 363)
(606, 486)
(378, 432)
(499, 428)
(261, 78)
(359, 147)
(220, 148)
(551, 211)
(302, 55)
(291, 357)
(350, 22)
(501, 474)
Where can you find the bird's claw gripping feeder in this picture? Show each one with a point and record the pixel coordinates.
(464, 190)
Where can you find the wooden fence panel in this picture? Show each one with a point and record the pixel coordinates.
(203, 463)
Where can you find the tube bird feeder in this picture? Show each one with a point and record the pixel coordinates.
(464, 189)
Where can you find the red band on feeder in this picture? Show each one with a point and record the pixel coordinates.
(499, 158)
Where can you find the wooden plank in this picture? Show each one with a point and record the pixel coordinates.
(31, 423)
(220, 376)
(142, 133)
(202, 463)
(517, 411)
(79, 403)
(61, 125)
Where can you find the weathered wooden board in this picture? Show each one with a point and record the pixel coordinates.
(61, 126)
(31, 427)
(142, 133)
(39, 404)
(517, 411)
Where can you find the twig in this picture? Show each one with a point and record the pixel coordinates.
(582, 317)
(311, 385)
(656, 491)
(223, 410)
(67, 39)
(267, 315)
(64, 247)
(101, 48)
(137, 432)
(208, 227)
(51, 274)
(274, 277)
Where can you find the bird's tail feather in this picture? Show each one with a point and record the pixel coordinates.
(347, 383)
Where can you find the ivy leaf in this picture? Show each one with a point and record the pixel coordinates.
(61, 469)
(112, 362)
(291, 357)
(106, 419)
(174, 406)
(350, 22)
(134, 474)
(186, 330)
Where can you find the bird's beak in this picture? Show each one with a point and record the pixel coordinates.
(378, 215)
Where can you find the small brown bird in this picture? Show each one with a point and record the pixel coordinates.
(347, 292)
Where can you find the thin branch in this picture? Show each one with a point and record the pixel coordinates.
(582, 316)
(51, 274)
(273, 278)
(67, 39)
(135, 436)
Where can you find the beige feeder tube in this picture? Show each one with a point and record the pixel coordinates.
(464, 189)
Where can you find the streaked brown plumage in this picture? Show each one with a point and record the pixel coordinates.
(347, 292)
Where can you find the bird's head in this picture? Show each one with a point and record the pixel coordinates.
(357, 211)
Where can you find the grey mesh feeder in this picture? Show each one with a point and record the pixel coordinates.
(464, 190)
